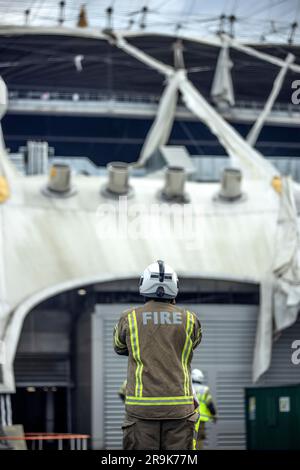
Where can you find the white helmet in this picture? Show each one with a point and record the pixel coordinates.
(159, 281)
(197, 375)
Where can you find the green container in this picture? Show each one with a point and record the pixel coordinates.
(273, 417)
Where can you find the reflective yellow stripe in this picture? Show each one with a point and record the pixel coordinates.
(198, 335)
(117, 341)
(186, 352)
(196, 431)
(182, 398)
(183, 352)
(189, 352)
(159, 401)
(140, 364)
(197, 424)
(134, 351)
(164, 402)
(134, 339)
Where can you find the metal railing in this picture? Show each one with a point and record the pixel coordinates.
(253, 105)
(82, 96)
(36, 441)
(127, 97)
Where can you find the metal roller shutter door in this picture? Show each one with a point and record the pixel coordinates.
(225, 355)
(43, 354)
(42, 370)
(115, 371)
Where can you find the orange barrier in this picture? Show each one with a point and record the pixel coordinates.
(76, 441)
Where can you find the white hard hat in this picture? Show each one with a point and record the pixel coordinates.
(197, 375)
(159, 281)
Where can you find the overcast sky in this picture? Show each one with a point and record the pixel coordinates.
(258, 19)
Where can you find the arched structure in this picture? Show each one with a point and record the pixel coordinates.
(48, 243)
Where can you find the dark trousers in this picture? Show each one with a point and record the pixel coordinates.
(146, 434)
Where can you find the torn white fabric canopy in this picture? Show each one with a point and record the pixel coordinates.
(162, 125)
(243, 156)
(280, 290)
(222, 89)
(277, 85)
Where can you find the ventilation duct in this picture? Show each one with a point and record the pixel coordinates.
(231, 185)
(118, 180)
(59, 182)
(174, 185)
(37, 157)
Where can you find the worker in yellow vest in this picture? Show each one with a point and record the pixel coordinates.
(206, 408)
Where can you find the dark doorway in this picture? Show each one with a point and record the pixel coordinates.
(41, 409)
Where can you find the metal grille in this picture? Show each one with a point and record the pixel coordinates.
(225, 356)
(115, 370)
(39, 369)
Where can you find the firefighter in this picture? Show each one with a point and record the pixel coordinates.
(206, 408)
(159, 339)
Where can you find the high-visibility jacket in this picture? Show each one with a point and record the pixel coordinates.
(204, 398)
(158, 339)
